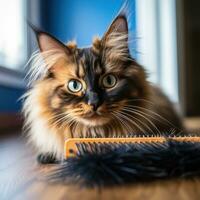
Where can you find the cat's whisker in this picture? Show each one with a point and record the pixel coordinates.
(55, 117)
(115, 117)
(67, 123)
(115, 124)
(135, 100)
(74, 127)
(154, 113)
(131, 116)
(69, 120)
(132, 122)
(57, 121)
(124, 125)
(65, 119)
(59, 116)
(141, 114)
(125, 122)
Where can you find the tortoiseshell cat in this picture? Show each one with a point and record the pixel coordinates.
(99, 91)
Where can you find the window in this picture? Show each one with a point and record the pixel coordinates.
(13, 37)
(156, 29)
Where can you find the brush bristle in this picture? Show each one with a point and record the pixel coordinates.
(98, 164)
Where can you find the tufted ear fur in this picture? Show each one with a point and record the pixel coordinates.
(53, 55)
(118, 26)
(115, 40)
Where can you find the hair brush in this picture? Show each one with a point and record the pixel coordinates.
(112, 161)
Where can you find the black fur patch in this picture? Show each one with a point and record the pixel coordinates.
(107, 165)
(46, 159)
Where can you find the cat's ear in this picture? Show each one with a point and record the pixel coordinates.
(115, 40)
(52, 52)
(47, 42)
(118, 27)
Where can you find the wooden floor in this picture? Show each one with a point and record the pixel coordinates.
(21, 178)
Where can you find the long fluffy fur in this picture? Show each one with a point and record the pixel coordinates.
(39, 132)
(115, 164)
(40, 63)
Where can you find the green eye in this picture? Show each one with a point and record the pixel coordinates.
(74, 85)
(109, 81)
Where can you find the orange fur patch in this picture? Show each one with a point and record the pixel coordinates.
(96, 45)
(72, 45)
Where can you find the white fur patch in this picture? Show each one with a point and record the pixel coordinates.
(39, 133)
(41, 62)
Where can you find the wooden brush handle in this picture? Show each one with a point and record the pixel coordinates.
(71, 147)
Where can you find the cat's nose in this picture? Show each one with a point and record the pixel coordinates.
(93, 100)
(94, 106)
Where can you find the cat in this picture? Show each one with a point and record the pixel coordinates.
(98, 91)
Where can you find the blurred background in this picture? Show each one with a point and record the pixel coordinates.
(165, 40)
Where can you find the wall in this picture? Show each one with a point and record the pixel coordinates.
(190, 59)
(79, 19)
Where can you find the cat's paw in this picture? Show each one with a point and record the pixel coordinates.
(47, 158)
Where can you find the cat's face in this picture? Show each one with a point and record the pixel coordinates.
(91, 85)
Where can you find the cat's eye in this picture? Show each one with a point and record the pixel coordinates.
(74, 86)
(109, 81)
